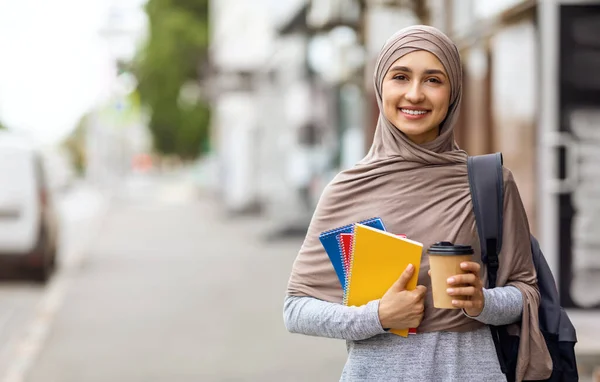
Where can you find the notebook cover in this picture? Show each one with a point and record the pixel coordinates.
(345, 240)
(346, 245)
(329, 240)
(378, 259)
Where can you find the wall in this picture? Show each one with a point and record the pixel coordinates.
(514, 107)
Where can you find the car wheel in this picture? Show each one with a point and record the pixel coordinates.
(44, 266)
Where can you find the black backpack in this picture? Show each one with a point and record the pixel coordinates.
(487, 193)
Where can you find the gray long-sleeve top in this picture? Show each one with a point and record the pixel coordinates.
(376, 355)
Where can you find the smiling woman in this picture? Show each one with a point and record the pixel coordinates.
(415, 179)
(416, 95)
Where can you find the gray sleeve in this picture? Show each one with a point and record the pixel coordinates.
(503, 306)
(314, 317)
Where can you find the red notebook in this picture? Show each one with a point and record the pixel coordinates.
(346, 246)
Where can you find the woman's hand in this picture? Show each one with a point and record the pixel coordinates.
(400, 308)
(470, 286)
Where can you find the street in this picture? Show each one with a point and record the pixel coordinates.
(165, 289)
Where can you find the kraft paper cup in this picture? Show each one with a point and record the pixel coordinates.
(444, 262)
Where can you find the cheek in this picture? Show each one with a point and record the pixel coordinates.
(389, 96)
(442, 101)
(385, 94)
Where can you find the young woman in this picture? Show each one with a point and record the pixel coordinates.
(415, 178)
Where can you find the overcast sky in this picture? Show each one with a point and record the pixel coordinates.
(54, 65)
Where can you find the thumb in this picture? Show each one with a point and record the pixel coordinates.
(400, 284)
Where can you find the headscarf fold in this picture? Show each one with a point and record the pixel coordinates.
(423, 191)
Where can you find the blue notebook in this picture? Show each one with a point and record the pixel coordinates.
(330, 242)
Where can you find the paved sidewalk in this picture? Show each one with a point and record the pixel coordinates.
(173, 291)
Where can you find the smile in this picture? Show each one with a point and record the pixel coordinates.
(414, 112)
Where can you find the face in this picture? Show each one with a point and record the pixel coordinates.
(416, 95)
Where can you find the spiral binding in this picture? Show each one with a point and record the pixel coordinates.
(341, 252)
(350, 267)
(365, 222)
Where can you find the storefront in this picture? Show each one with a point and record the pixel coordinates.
(576, 189)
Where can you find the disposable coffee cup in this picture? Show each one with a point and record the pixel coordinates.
(444, 262)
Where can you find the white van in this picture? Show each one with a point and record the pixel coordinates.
(28, 223)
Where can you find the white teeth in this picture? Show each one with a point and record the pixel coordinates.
(413, 112)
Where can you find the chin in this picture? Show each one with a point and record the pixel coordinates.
(418, 134)
(414, 130)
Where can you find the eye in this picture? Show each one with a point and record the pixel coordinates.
(400, 77)
(434, 80)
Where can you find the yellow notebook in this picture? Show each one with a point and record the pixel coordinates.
(378, 259)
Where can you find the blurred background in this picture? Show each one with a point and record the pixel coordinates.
(160, 161)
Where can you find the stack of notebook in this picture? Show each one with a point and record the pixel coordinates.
(368, 260)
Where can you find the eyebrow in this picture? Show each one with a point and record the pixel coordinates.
(409, 70)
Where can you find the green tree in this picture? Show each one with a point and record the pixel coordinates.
(74, 144)
(176, 47)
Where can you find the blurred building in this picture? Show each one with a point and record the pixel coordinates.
(116, 130)
(116, 133)
(276, 128)
(318, 68)
(241, 39)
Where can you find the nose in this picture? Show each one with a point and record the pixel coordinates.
(415, 93)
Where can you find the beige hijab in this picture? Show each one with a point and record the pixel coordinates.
(423, 191)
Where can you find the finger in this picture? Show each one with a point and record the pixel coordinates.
(467, 304)
(464, 291)
(404, 278)
(466, 279)
(470, 266)
(429, 272)
(420, 291)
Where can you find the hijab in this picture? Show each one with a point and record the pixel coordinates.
(423, 191)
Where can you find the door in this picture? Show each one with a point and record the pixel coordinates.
(577, 147)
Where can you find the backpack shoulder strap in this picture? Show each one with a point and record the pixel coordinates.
(487, 192)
